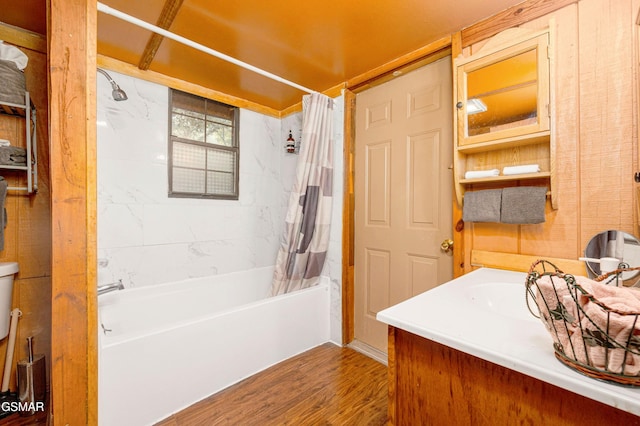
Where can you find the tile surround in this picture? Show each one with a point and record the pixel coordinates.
(146, 238)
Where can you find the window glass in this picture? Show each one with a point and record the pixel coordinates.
(203, 148)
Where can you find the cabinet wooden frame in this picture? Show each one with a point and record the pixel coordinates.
(531, 143)
(490, 55)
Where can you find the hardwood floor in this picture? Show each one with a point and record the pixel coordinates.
(327, 385)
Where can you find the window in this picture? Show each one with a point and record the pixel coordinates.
(203, 148)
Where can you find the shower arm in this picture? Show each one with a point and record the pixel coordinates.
(114, 85)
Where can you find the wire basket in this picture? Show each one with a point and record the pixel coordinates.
(595, 327)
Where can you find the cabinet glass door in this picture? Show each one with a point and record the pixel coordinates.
(505, 93)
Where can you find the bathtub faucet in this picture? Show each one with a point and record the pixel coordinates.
(108, 288)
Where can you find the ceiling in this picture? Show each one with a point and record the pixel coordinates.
(316, 43)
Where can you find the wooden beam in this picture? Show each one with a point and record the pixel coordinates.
(23, 38)
(522, 262)
(418, 63)
(512, 17)
(168, 14)
(72, 66)
(185, 86)
(400, 62)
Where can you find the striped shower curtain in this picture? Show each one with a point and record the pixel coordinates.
(304, 243)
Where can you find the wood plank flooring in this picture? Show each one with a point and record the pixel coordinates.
(327, 385)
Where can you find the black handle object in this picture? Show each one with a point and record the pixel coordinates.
(30, 345)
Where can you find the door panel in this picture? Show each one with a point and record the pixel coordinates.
(422, 161)
(403, 193)
(378, 170)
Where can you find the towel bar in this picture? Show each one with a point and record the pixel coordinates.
(548, 194)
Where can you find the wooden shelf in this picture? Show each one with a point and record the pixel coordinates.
(509, 178)
(19, 110)
(512, 142)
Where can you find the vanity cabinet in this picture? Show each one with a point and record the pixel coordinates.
(503, 111)
(470, 352)
(433, 384)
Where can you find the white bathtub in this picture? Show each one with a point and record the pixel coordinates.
(171, 345)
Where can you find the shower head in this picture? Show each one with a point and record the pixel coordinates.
(117, 93)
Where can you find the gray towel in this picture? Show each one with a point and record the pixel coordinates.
(13, 156)
(523, 204)
(13, 83)
(482, 206)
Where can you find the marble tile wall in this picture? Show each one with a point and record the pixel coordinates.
(146, 238)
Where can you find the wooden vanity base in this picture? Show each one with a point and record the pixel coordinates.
(432, 384)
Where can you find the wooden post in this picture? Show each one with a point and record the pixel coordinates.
(459, 262)
(72, 61)
(348, 219)
(392, 372)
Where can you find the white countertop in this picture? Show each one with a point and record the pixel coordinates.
(481, 314)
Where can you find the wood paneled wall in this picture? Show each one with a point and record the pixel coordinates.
(28, 231)
(596, 108)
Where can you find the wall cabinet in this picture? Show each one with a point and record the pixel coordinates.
(27, 112)
(503, 111)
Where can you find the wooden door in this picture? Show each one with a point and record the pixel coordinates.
(403, 193)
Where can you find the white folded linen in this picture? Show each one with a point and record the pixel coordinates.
(518, 170)
(475, 174)
(12, 53)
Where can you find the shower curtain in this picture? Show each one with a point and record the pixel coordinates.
(304, 243)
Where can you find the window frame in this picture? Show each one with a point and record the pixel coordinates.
(235, 148)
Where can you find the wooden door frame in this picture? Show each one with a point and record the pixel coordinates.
(417, 59)
(449, 45)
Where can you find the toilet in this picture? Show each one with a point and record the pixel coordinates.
(7, 272)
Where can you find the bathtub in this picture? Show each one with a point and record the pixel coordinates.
(164, 347)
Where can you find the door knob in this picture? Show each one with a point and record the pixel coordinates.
(447, 245)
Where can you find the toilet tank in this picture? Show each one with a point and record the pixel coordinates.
(7, 272)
